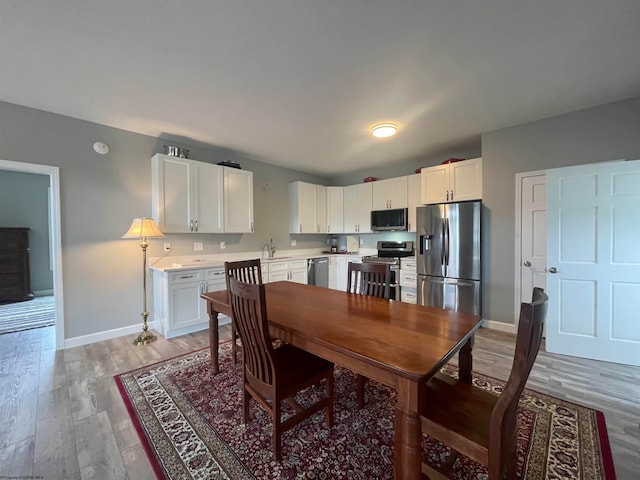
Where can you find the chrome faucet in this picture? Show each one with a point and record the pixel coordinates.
(271, 250)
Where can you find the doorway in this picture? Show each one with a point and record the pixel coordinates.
(55, 235)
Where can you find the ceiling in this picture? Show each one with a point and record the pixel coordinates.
(298, 83)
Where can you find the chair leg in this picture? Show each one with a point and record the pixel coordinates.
(277, 432)
(360, 392)
(234, 345)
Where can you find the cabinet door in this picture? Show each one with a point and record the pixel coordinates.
(238, 200)
(333, 273)
(302, 203)
(341, 278)
(278, 276)
(413, 200)
(209, 180)
(321, 209)
(389, 193)
(465, 180)
(351, 212)
(435, 184)
(335, 213)
(185, 305)
(171, 192)
(298, 275)
(380, 191)
(364, 207)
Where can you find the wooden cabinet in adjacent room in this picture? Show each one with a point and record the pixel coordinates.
(15, 281)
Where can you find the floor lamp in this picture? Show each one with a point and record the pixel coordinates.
(143, 228)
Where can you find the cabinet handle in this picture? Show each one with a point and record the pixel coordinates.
(218, 273)
(251, 227)
(447, 195)
(300, 228)
(186, 276)
(191, 225)
(328, 228)
(196, 225)
(451, 194)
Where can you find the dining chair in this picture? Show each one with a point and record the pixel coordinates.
(271, 375)
(247, 271)
(371, 279)
(479, 424)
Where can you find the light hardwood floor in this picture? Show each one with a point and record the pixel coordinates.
(62, 417)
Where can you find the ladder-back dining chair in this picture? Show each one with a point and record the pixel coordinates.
(477, 423)
(371, 279)
(247, 271)
(271, 375)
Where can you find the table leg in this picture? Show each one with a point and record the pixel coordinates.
(465, 361)
(408, 432)
(213, 337)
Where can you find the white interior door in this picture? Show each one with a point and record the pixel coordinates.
(532, 262)
(593, 251)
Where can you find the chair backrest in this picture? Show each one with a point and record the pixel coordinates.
(249, 310)
(529, 337)
(371, 279)
(247, 271)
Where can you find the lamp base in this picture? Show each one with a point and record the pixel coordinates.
(144, 338)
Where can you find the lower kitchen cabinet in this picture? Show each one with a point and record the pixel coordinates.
(288, 270)
(178, 307)
(408, 280)
(342, 270)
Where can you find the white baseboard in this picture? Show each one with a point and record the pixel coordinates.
(503, 327)
(106, 335)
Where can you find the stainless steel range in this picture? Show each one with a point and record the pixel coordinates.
(390, 252)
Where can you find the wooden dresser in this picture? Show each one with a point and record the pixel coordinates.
(15, 282)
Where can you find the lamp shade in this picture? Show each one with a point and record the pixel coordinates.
(143, 228)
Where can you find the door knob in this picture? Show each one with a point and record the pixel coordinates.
(527, 263)
(552, 270)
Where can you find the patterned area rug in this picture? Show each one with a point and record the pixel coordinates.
(36, 313)
(191, 425)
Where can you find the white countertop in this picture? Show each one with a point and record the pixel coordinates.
(188, 262)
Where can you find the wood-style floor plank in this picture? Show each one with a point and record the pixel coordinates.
(82, 428)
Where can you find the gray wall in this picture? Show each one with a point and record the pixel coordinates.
(608, 132)
(24, 202)
(100, 194)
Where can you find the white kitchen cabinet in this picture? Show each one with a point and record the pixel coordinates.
(187, 195)
(342, 270)
(288, 270)
(408, 280)
(452, 182)
(178, 307)
(357, 208)
(413, 200)
(333, 273)
(308, 208)
(238, 200)
(389, 193)
(335, 210)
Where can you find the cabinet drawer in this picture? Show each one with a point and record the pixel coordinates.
(408, 265)
(298, 264)
(278, 266)
(408, 295)
(408, 279)
(214, 275)
(186, 276)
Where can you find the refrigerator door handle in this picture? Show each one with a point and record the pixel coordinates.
(447, 236)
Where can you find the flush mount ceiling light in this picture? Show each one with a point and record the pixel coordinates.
(382, 130)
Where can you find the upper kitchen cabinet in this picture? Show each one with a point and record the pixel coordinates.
(357, 208)
(335, 210)
(238, 200)
(187, 196)
(308, 208)
(198, 197)
(452, 182)
(389, 193)
(413, 200)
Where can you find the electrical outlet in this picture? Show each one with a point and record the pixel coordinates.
(362, 242)
(293, 243)
(167, 246)
(198, 246)
(223, 245)
(328, 241)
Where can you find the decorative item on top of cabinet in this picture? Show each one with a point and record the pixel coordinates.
(389, 193)
(452, 182)
(198, 197)
(15, 280)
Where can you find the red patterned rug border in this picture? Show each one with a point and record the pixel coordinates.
(605, 446)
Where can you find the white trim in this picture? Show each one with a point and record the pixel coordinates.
(518, 241)
(43, 293)
(55, 233)
(108, 335)
(503, 327)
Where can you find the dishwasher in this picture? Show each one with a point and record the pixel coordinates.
(318, 272)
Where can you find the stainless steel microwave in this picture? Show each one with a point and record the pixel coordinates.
(392, 219)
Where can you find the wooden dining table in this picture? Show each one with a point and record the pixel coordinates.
(398, 344)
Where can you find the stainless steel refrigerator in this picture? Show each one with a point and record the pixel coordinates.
(448, 256)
